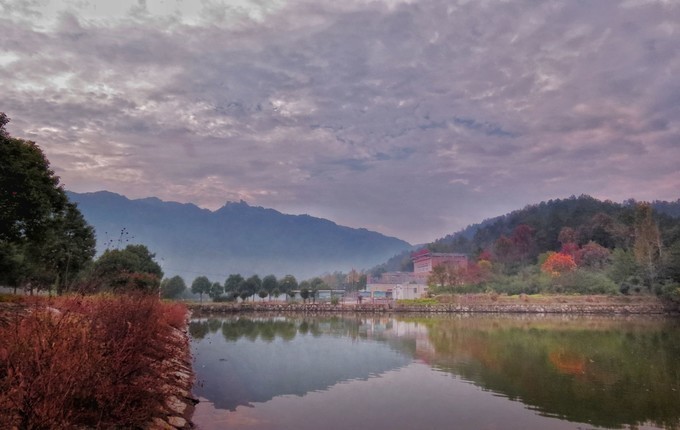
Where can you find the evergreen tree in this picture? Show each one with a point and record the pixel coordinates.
(44, 240)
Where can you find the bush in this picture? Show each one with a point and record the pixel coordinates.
(583, 282)
(669, 291)
(533, 283)
(86, 362)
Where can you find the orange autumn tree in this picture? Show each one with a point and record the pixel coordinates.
(558, 263)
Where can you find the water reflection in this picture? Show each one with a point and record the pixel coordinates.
(607, 372)
(604, 371)
(242, 361)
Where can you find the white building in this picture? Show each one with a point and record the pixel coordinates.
(411, 285)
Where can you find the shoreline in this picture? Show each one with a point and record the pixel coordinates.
(577, 305)
(177, 386)
(174, 367)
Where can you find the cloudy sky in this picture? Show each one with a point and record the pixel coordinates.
(412, 118)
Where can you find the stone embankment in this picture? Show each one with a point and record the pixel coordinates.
(576, 307)
(176, 386)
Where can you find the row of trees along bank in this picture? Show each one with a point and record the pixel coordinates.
(236, 286)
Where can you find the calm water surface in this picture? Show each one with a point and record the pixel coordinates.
(436, 372)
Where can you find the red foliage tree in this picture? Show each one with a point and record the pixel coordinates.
(557, 263)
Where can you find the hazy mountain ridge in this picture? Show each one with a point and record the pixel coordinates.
(237, 238)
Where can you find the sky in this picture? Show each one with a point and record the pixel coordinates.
(411, 118)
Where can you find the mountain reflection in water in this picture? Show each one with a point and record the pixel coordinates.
(607, 372)
(267, 358)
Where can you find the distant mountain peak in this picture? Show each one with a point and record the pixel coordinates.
(237, 238)
(239, 203)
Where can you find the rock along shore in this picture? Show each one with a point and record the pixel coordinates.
(176, 385)
(649, 306)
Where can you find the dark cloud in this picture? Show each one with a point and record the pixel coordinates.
(413, 118)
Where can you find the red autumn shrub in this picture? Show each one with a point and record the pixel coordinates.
(86, 362)
(558, 263)
(175, 315)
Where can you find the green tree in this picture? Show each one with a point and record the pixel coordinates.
(315, 285)
(269, 284)
(304, 293)
(44, 239)
(262, 293)
(672, 262)
(215, 291)
(70, 246)
(200, 286)
(251, 286)
(288, 284)
(233, 285)
(132, 268)
(29, 189)
(173, 288)
(304, 290)
(623, 268)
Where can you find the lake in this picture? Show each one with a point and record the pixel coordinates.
(414, 371)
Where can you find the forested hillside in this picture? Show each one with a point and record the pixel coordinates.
(626, 246)
(607, 223)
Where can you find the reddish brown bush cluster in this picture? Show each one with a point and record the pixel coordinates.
(86, 362)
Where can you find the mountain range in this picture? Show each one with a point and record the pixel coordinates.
(237, 238)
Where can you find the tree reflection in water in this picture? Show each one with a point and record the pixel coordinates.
(605, 371)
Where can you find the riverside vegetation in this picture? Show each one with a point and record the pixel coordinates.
(105, 352)
(578, 245)
(88, 362)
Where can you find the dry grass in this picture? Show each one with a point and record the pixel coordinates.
(85, 362)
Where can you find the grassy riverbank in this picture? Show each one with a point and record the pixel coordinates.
(92, 362)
